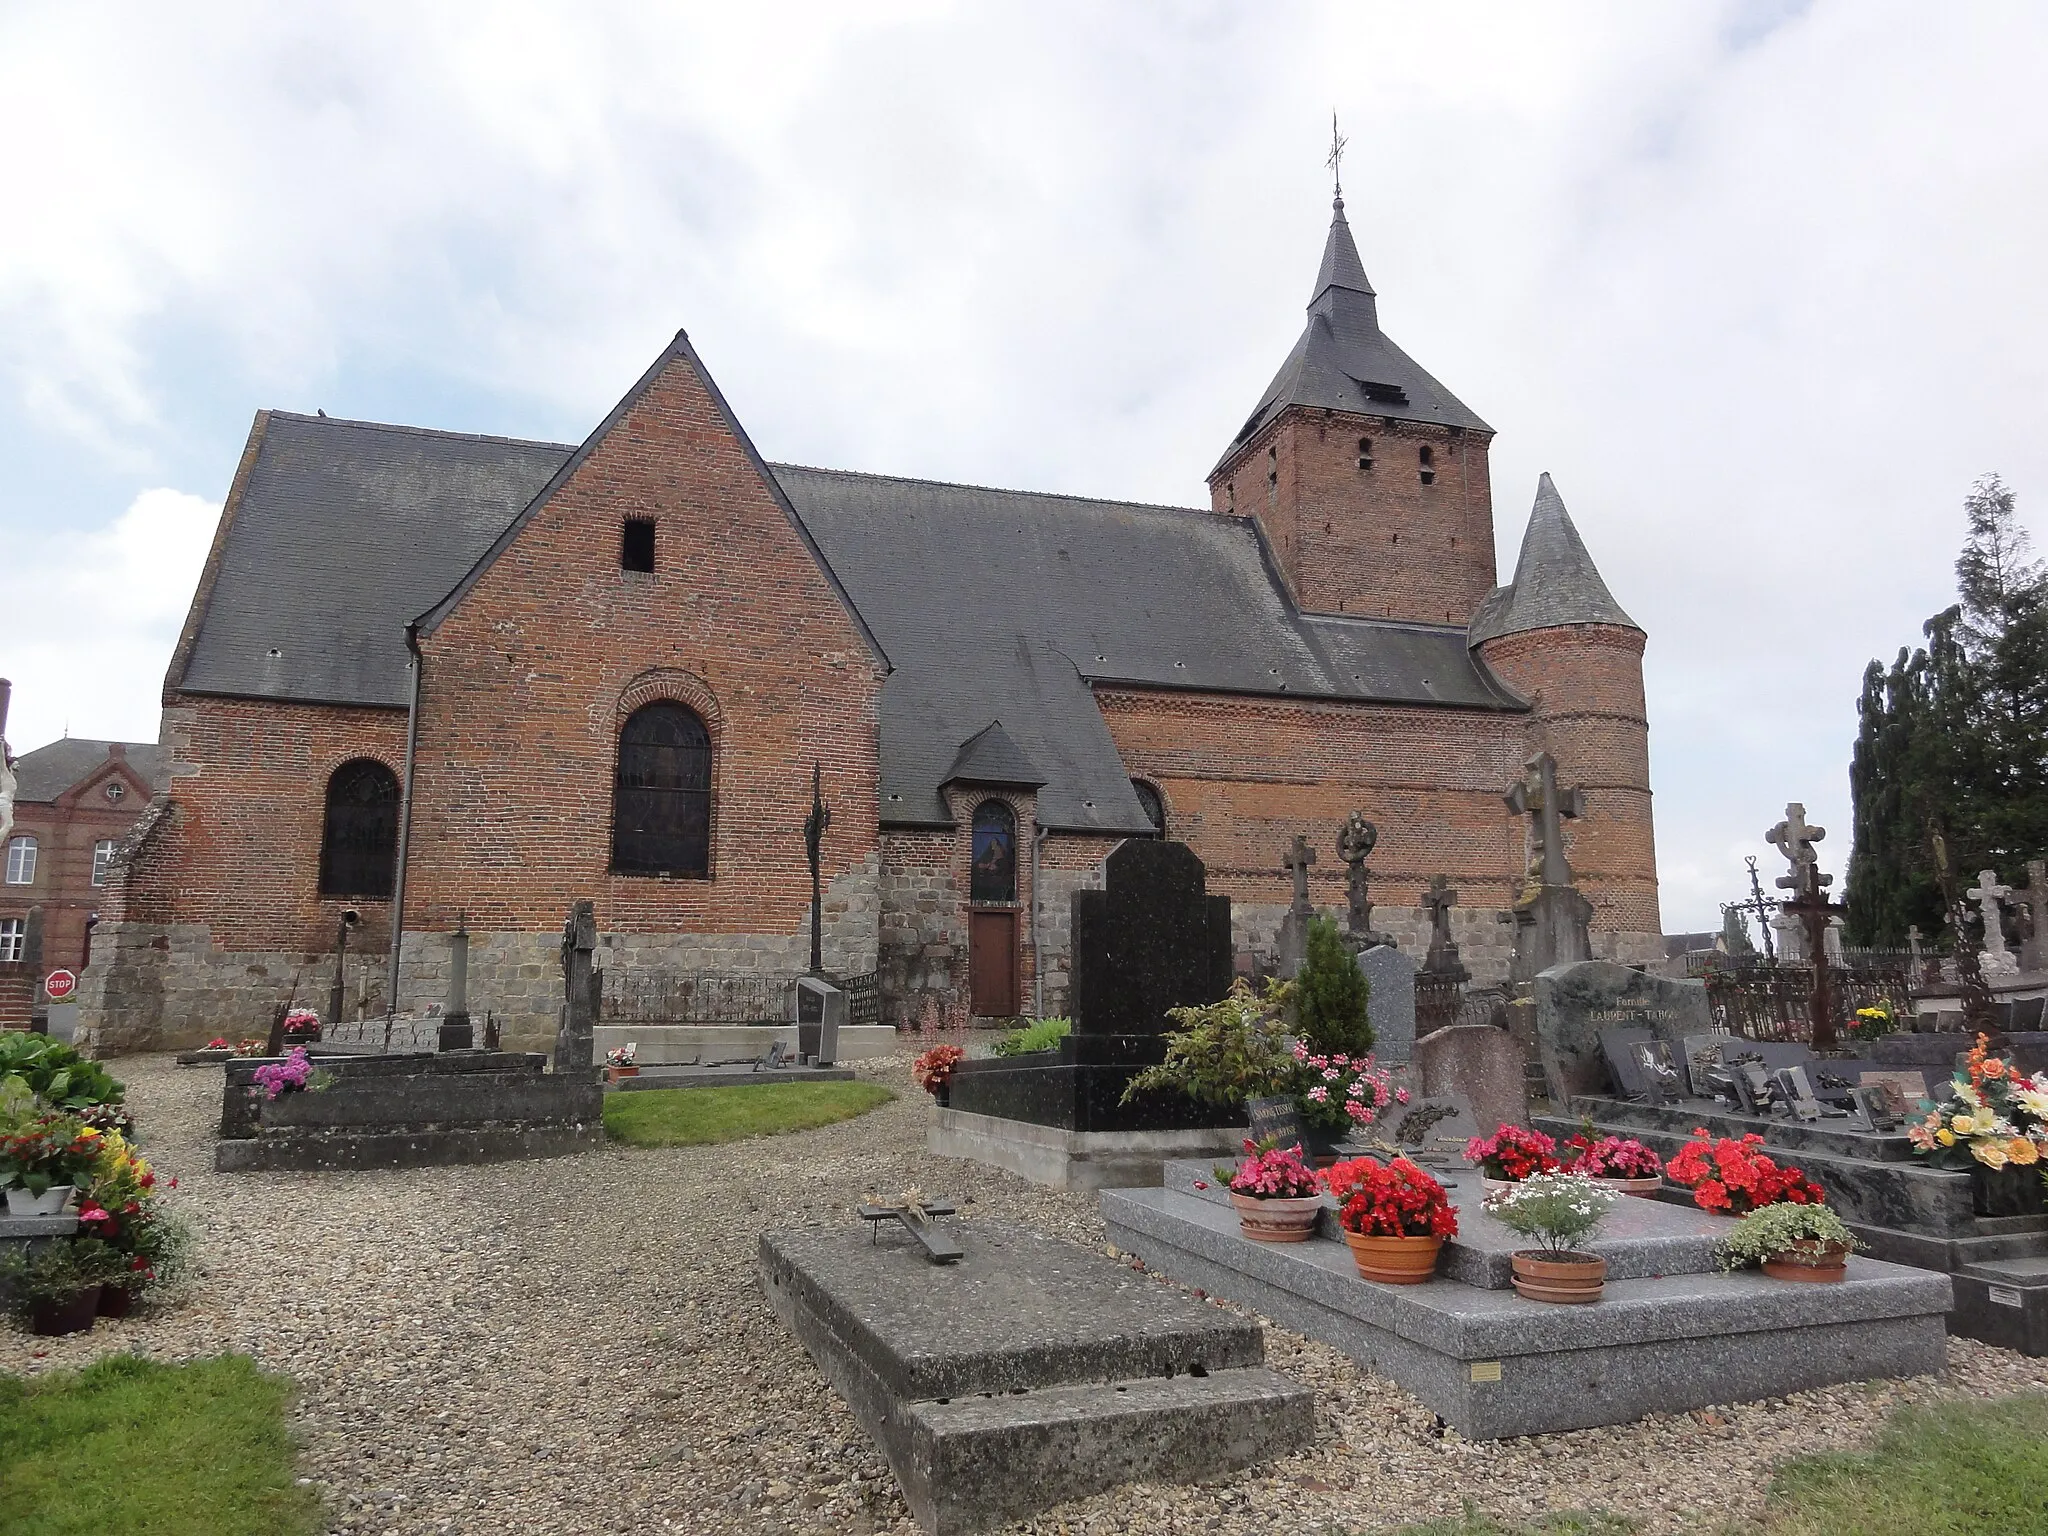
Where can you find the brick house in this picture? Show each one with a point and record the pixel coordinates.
(463, 678)
(74, 801)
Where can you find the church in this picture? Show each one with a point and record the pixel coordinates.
(440, 680)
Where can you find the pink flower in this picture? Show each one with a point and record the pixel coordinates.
(1400, 1095)
(1320, 1094)
(1331, 1074)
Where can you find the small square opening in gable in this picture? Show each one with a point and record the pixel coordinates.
(636, 550)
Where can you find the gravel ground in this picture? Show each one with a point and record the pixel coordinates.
(577, 1345)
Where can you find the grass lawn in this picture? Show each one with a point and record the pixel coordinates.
(169, 1450)
(695, 1117)
(1962, 1469)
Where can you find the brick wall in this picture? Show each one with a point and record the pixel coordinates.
(1374, 541)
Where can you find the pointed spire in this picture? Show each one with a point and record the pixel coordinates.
(1341, 267)
(1555, 581)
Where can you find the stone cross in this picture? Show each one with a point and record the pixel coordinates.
(2033, 941)
(1356, 840)
(1795, 839)
(1996, 959)
(1296, 863)
(815, 826)
(1442, 959)
(1538, 797)
(581, 985)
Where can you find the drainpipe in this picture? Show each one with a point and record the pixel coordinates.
(1037, 909)
(412, 741)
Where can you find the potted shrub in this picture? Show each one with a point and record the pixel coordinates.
(1276, 1195)
(934, 1070)
(1394, 1217)
(1512, 1153)
(121, 1206)
(1225, 1052)
(1621, 1163)
(1560, 1211)
(622, 1061)
(1791, 1242)
(58, 1286)
(43, 1160)
(1731, 1178)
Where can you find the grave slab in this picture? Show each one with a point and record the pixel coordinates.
(1390, 1002)
(1027, 1373)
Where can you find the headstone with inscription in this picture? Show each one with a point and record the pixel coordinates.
(1276, 1119)
(1575, 1002)
(1151, 939)
(1390, 1001)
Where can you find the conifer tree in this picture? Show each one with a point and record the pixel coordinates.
(1330, 994)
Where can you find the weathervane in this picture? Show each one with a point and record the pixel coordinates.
(1336, 160)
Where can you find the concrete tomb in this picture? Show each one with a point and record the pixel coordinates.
(1023, 1371)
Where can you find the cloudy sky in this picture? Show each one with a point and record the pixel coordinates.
(1758, 283)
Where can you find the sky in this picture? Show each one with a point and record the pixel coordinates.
(1757, 283)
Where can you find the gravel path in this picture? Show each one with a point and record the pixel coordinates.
(577, 1345)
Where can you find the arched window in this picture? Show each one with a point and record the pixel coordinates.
(661, 811)
(359, 843)
(994, 874)
(21, 861)
(1154, 803)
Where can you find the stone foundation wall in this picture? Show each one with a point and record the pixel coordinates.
(1485, 936)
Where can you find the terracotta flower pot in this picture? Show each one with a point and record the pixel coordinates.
(1645, 1187)
(116, 1300)
(613, 1074)
(1276, 1221)
(1570, 1278)
(1489, 1187)
(1394, 1260)
(69, 1314)
(1809, 1259)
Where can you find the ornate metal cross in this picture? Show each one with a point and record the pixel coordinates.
(1338, 143)
(815, 825)
(1547, 807)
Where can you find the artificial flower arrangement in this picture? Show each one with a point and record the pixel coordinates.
(1338, 1094)
(1392, 1199)
(295, 1074)
(1611, 1157)
(1869, 1023)
(626, 1055)
(1732, 1178)
(1997, 1117)
(220, 1043)
(934, 1069)
(252, 1047)
(1271, 1172)
(47, 1152)
(302, 1023)
(1511, 1153)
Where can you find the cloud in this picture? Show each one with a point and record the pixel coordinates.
(93, 619)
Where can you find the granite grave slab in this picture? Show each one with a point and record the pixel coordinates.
(1575, 1002)
(1390, 1002)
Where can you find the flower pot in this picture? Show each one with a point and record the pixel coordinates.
(1645, 1187)
(1277, 1221)
(613, 1074)
(1809, 1259)
(1490, 1187)
(1394, 1260)
(116, 1300)
(2012, 1191)
(50, 1202)
(1571, 1278)
(66, 1314)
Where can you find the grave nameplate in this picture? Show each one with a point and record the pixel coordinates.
(1876, 1108)
(1277, 1120)
(1431, 1129)
(1641, 1064)
(1701, 1054)
(1904, 1088)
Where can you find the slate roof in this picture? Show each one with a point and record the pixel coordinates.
(1343, 361)
(989, 756)
(344, 533)
(1555, 581)
(47, 772)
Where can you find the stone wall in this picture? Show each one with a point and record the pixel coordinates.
(1485, 936)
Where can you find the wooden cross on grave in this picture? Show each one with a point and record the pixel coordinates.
(1299, 857)
(914, 1212)
(1538, 797)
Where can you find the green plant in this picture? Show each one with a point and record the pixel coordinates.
(1330, 994)
(1044, 1035)
(168, 1244)
(59, 1270)
(47, 1151)
(54, 1072)
(1224, 1052)
(1557, 1210)
(1772, 1229)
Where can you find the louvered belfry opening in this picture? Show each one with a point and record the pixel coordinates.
(359, 841)
(661, 813)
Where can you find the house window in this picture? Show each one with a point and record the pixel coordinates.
(661, 809)
(102, 857)
(1154, 803)
(636, 549)
(13, 939)
(993, 877)
(21, 861)
(359, 843)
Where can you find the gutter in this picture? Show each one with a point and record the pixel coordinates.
(412, 741)
(1037, 913)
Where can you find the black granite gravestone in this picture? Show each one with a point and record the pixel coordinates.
(1277, 1119)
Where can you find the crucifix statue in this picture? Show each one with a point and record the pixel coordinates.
(1795, 839)
(1538, 797)
(1356, 840)
(1996, 959)
(815, 825)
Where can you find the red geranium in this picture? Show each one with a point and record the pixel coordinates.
(1394, 1199)
(1731, 1177)
(1512, 1153)
(934, 1069)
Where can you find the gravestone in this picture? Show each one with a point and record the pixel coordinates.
(1151, 939)
(1276, 1118)
(1994, 959)
(1390, 1003)
(582, 984)
(1575, 1002)
(1356, 840)
(1443, 959)
(820, 1011)
(1552, 917)
(1293, 940)
(456, 1032)
(1481, 1064)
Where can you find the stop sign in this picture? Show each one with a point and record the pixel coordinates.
(59, 985)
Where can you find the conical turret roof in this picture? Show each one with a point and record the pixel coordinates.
(1555, 581)
(1345, 362)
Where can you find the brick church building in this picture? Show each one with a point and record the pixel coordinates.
(444, 678)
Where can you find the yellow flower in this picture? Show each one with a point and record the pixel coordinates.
(1963, 1125)
(2022, 1151)
(1945, 1136)
(1990, 1153)
(86, 1130)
